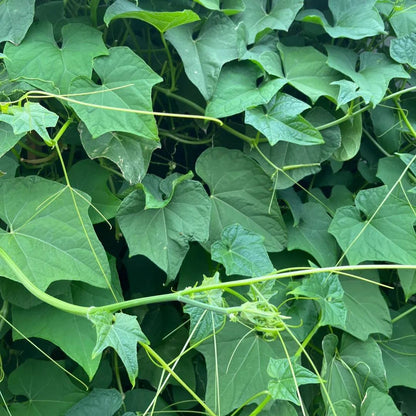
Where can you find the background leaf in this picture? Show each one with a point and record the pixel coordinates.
(129, 152)
(399, 354)
(241, 252)
(100, 402)
(46, 388)
(282, 385)
(228, 173)
(401, 49)
(256, 18)
(90, 178)
(163, 234)
(16, 16)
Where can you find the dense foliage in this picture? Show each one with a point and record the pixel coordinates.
(207, 207)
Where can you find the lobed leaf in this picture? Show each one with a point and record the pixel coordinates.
(40, 62)
(45, 236)
(121, 332)
(348, 18)
(241, 252)
(240, 193)
(126, 83)
(16, 16)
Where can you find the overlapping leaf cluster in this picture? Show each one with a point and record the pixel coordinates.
(191, 150)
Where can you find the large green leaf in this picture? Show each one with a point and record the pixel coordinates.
(129, 152)
(367, 311)
(90, 178)
(8, 137)
(121, 332)
(348, 18)
(241, 252)
(126, 83)
(100, 402)
(240, 193)
(371, 80)
(240, 372)
(402, 49)
(350, 369)
(306, 69)
(47, 322)
(260, 15)
(45, 236)
(43, 64)
(403, 18)
(399, 354)
(16, 16)
(237, 89)
(163, 234)
(45, 386)
(299, 161)
(282, 386)
(162, 21)
(264, 54)
(32, 116)
(280, 119)
(218, 42)
(388, 237)
(311, 234)
(378, 403)
(325, 289)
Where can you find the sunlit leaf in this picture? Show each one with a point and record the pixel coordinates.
(306, 69)
(162, 21)
(388, 237)
(121, 332)
(281, 120)
(258, 16)
(328, 292)
(203, 57)
(126, 83)
(32, 116)
(205, 322)
(45, 237)
(43, 64)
